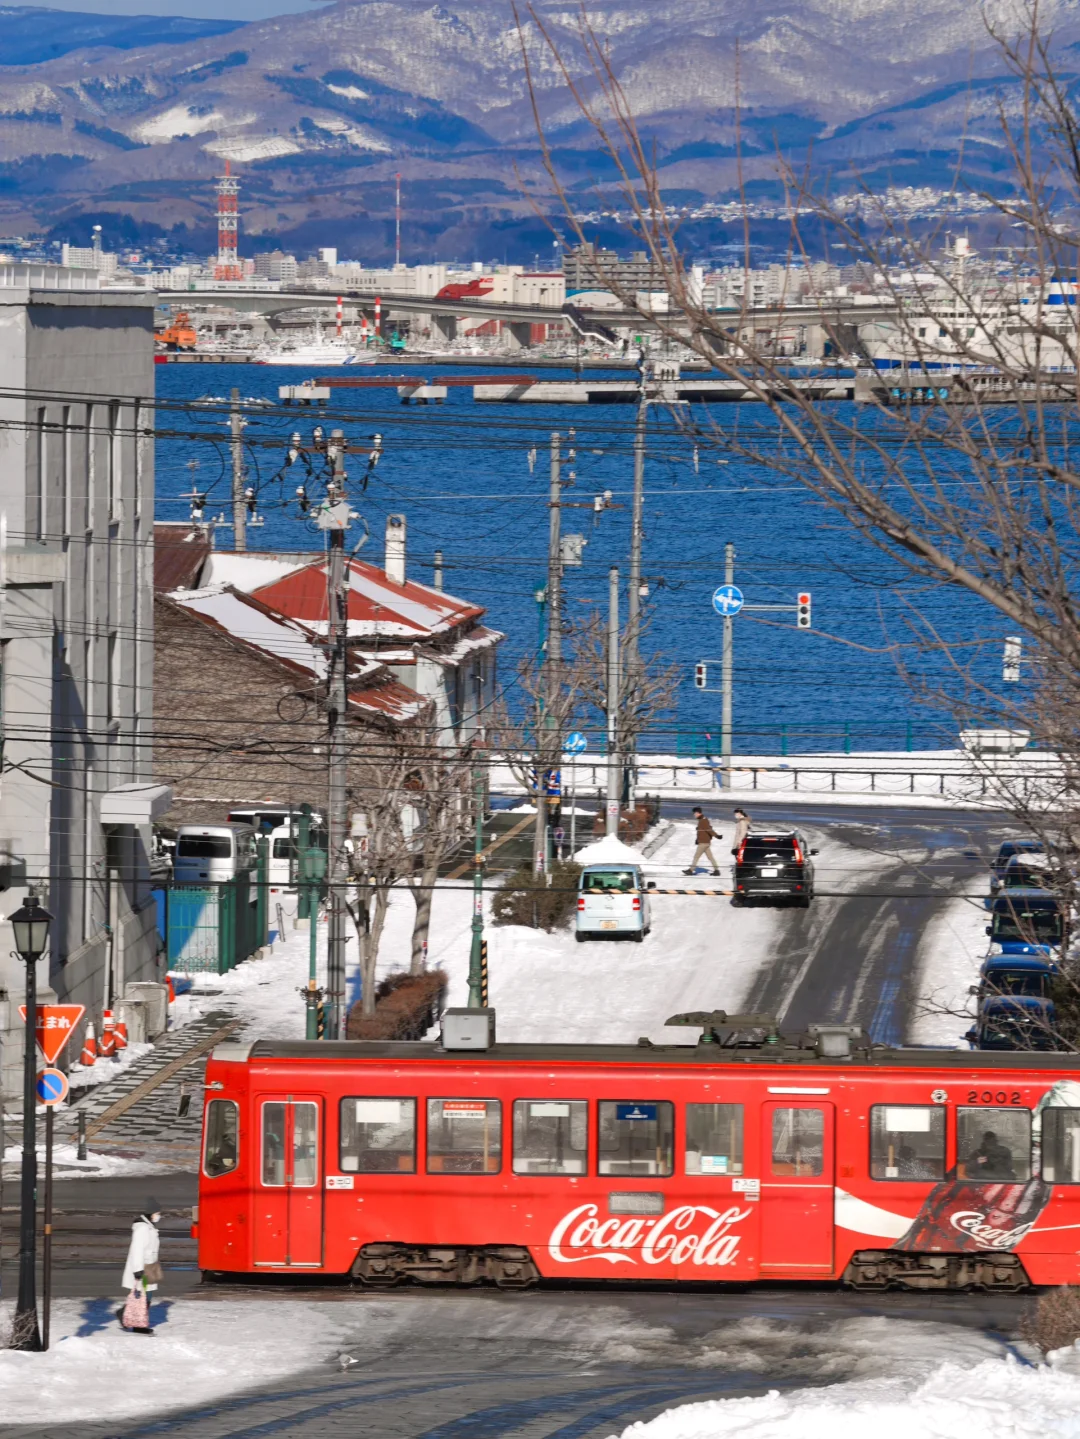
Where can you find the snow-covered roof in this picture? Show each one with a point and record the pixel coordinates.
(480, 638)
(377, 606)
(247, 572)
(245, 618)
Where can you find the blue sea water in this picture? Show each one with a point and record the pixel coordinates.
(461, 474)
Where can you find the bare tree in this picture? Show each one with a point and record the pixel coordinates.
(969, 482)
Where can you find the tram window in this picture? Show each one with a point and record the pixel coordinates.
(273, 1143)
(637, 1138)
(464, 1136)
(305, 1145)
(907, 1141)
(798, 1142)
(550, 1136)
(993, 1144)
(1061, 1146)
(714, 1139)
(222, 1137)
(378, 1136)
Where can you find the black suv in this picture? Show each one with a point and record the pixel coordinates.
(775, 862)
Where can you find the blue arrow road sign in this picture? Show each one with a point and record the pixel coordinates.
(52, 1086)
(576, 743)
(727, 600)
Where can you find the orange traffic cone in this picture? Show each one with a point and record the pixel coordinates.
(120, 1034)
(172, 988)
(108, 1036)
(89, 1045)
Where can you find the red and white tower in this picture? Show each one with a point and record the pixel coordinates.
(228, 225)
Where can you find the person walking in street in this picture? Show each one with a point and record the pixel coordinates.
(742, 829)
(142, 1272)
(705, 833)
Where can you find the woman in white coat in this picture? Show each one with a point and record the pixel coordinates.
(141, 1270)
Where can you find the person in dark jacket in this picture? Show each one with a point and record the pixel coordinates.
(705, 833)
(992, 1159)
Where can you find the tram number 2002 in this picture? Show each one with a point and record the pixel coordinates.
(988, 1096)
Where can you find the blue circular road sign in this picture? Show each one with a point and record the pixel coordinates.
(727, 600)
(52, 1086)
(576, 743)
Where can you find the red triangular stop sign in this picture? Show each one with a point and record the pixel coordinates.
(56, 1024)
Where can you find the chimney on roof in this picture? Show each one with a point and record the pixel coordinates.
(395, 549)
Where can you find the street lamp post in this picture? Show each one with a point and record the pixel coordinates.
(30, 926)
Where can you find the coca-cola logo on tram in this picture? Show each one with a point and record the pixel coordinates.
(691, 1234)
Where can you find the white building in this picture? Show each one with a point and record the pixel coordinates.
(76, 625)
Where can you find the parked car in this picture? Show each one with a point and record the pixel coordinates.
(1029, 870)
(613, 900)
(1015, 1022)
(1026, 921)
(775, 862)
(212, 853)
(1030, 975)
(1010, 849)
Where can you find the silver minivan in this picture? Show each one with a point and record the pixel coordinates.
(212, 853)
(613, 899)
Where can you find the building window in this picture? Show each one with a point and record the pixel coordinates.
(114, 462)
(714, 1139)
(114, 706)
(464, 1136)
(378, 1136)
(41, 467)
(637, 1138)
(550, 1136)
(907, 1141)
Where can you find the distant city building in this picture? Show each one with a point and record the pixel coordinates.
(276, 265)
(89, 257)
(588, 268)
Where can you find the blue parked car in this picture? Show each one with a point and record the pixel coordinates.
(1020, 1022)
(1030, 975)
(1010, 849)
(1026, 921)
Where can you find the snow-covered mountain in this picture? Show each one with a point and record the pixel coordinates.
(318, 110)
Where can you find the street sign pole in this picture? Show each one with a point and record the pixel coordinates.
(576, 744)
(46, 1258)
(726, 673)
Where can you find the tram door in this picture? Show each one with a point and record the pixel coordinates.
(288, 1192)
(797, 1187)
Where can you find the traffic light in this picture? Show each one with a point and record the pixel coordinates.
(803, 618)
(699, 675)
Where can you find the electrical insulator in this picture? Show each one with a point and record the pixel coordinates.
(317, 436)
(301, 495)
(700, 675)
(803, 602)
(249, 499)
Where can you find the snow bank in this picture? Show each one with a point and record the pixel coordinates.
(608, 850)
(995, 1399)
(67, 1163)
(95, 1371)
(950, 953)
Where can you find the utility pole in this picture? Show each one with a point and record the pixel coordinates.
(633, 596)
(476, 953)
(614, 771)
(239, 502)
(337, 522)
(726, 673)
(553, 651)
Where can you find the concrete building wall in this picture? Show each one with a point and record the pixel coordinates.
(76, 500)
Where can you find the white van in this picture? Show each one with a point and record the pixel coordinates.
(212, 853)
(613, 899)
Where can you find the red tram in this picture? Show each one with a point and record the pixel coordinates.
(823, 1157)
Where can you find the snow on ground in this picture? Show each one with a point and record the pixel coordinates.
(950, 953)
(68, 1165)
(88, 1076)
(916, 1397)
(94, 1371)
(609, 850)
